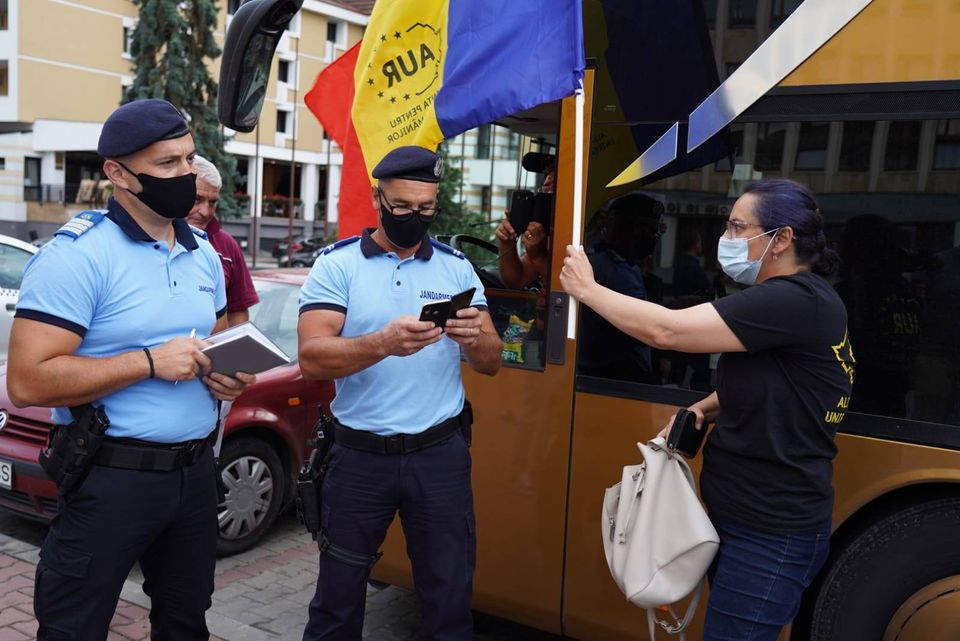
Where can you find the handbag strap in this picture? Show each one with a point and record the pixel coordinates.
(679, 624)
(639, 478)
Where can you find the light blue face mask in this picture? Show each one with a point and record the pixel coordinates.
(733, 256)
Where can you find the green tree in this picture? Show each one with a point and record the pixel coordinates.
(171, 47)
(454, 218)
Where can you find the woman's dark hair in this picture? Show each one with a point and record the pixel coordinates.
(785, 203)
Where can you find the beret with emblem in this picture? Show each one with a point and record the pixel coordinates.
(137, 125)
(410, 163)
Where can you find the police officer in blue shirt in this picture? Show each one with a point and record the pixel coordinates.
(108, 314)
(401, 434)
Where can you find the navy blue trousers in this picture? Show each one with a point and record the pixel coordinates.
(165, 520)
(362, 492)
(757, 579)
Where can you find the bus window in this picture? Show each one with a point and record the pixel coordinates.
(620, 241)
(896, 229)
(502, 167)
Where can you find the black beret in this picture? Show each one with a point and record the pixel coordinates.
(137, 125)
(410, 163)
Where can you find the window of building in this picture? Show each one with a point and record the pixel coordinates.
(283, 118)
(337, 33)
(58, 160)
(283, 70)
(127, 39)
(736, 150)
(32, 184)
(855, 146)
(483, 141)
(743, 13)
(486, 198)
(513, 146)
(781, 10)
(812, 146)
(3, 164)
(770, 140)
(946, 150)
(4, 78)
(903, 146)
(4, 15)
(233, 5)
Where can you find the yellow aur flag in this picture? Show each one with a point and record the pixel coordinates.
(398, 74)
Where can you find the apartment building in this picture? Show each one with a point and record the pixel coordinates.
(64, 65)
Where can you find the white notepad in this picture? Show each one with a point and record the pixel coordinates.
(243, 348)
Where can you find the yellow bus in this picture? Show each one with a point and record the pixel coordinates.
(859, 100)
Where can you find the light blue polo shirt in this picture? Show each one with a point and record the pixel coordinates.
(398, 395)
(105, 279)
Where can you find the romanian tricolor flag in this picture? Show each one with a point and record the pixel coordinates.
(428, 70)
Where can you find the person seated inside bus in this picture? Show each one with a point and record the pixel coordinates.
(529, 269)
(623, 233)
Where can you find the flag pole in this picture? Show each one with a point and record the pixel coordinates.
(577, 200)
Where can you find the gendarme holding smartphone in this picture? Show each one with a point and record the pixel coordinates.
(784, 381)
(402, 425)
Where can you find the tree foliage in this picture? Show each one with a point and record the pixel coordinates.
(172, 46)
(454, 218)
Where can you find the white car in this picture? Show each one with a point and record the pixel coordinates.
(14, 255)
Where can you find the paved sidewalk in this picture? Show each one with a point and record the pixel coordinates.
(261, 595)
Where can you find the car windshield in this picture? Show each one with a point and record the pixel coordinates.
(12, 262)
(276, 313)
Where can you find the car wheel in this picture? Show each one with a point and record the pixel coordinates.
(253, 479)
(299, 263)
(898, 580)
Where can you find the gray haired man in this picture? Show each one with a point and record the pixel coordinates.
(240, 292)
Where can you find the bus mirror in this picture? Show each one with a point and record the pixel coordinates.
(252, 38)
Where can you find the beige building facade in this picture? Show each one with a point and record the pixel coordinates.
(64, 65)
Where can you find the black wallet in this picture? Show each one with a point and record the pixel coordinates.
(684, 436)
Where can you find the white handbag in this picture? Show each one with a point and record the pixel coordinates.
(659, 541)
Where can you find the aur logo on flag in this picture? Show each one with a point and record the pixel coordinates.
(402, 80)
(431, 69)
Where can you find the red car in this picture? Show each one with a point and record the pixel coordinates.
(265, 438)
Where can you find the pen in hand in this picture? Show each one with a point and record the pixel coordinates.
(193, 334)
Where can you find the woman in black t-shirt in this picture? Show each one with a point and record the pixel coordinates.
(783, 385)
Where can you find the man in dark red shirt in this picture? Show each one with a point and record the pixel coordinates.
(240, 292)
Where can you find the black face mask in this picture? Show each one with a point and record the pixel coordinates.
(404, 232)
(168, 197)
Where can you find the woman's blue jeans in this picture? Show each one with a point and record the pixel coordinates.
(757, 579)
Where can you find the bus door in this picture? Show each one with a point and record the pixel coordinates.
(625, 391)
(644, 243)
(521, 430)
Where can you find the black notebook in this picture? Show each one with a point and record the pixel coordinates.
(243, 348)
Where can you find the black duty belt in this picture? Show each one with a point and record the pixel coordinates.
(146, 456)
(404, 443)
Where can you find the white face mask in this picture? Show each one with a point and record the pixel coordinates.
(733, 256)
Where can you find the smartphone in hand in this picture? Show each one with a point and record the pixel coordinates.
(521, 210)
(684, 436)
(442, 310)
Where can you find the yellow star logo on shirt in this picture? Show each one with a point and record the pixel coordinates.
(844, 354)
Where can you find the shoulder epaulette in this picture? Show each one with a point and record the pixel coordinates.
(199, 232)
(81, 223)
(337, 245)
(447, 248)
